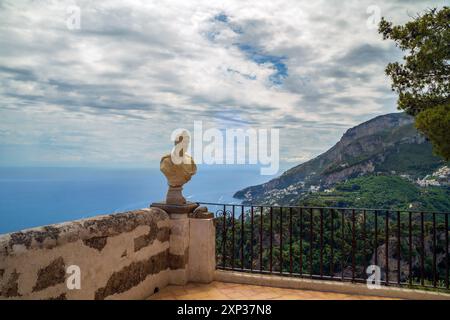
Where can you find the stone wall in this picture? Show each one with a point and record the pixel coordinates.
(128, 255)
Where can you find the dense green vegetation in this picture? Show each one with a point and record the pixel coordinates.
(414, 159)
(389, 192)
(329, 241)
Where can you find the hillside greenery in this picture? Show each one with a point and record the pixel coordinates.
(389, 192)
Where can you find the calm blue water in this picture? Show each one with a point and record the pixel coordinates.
(32, 197)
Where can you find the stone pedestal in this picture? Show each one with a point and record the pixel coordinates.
(175, 195)
(176, 209)
(202, 250)
(179, 239)
(179, 249)
(192, 243)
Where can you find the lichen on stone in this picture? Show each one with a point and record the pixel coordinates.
(154, 233)
(50, 275)
(102, 226)
(163, 234)
(96, 242)
(133, 274)
(11, 288)
(39, 235)
(177, 261)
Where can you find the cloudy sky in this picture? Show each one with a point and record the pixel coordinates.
(111, 92)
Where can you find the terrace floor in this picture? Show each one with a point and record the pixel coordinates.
(232, 291)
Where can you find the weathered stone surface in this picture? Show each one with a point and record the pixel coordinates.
(96, 242)
(163, 234)
(175, 209)
(26, 237)
(118, 237)
(51, 275)
(201, 213)
(145, 240)
(11, 288)
(133, 274)
(177, 261)
(62, 296)
(122, 222)
(51, 236)
(202, 250)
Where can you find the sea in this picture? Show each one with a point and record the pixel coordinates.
(31, 197)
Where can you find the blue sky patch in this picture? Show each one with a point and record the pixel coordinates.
(221, 17)
(258, 56)
(252, 52)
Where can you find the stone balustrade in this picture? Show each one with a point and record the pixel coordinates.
(127, 255)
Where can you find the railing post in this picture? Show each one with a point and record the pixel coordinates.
(311, 240)
(386, 251)
(332, 243)
(301, 241)
(242, 236)
(398, 247)
(364, 242)
(376, 238)
(290, 240)
(410, 274)
(422, 250)
(446, 252)
(281, 240)
(271, 240)
(434, 250)
(251, 238)
(353, 244)
(321, 243)
(232, 237)
(224, 236)
(261, 239)
(342, 244)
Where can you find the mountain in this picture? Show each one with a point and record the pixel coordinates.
(386, 145)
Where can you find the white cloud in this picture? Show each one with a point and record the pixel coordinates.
(111, 92)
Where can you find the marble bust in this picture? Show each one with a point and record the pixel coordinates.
(178, 167)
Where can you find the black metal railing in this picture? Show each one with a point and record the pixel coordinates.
(410, 247)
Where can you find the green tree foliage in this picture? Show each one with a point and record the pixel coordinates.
(422, 81)
(435, 124)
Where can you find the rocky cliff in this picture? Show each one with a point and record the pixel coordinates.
(387, 144)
